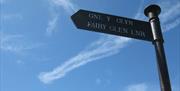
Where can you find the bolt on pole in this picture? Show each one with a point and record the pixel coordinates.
(152, 12)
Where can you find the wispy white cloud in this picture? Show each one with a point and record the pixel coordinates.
(15, 43)
(173, 12)
(102, 81)
(6, 17)
(52, 25)
(67, 5)
(139, 14)
(147, 87)
(137, 87)
(171, 25)
(170, 16)
(101, 48)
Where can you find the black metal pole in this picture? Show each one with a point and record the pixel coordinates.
(152, 12)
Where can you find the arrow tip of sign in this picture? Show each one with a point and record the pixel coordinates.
(76, 13)
(155, 9)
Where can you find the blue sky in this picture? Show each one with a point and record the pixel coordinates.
(42, 50)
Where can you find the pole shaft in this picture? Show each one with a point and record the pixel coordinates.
(160, 54)
(162, 67)
(152, 12)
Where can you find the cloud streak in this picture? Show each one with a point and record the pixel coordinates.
(101, 48)
(6, 17)
(170, 17)
(14, 43)
(137, 87)
(139, 14)
(173, 11)
(106, 48)
(147, 87)
(67, 5)
(52, 25)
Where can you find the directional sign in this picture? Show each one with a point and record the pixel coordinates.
(111, 24)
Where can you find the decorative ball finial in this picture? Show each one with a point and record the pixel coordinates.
(152, 10)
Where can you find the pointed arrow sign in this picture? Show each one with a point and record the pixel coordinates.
(111, 24)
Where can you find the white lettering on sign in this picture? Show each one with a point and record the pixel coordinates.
(138, 33)
(121, 30)
(113, 28)
(96, 25)
(94, 16)
(118, 29)
(108, 18)
(110, 24)
(124, 21)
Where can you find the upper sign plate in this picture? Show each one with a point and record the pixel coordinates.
(111, 24)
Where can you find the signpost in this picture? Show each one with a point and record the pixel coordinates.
(121, 26)
(152, 12)
(110, 24)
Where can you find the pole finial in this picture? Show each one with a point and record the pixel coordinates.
(152, 11)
